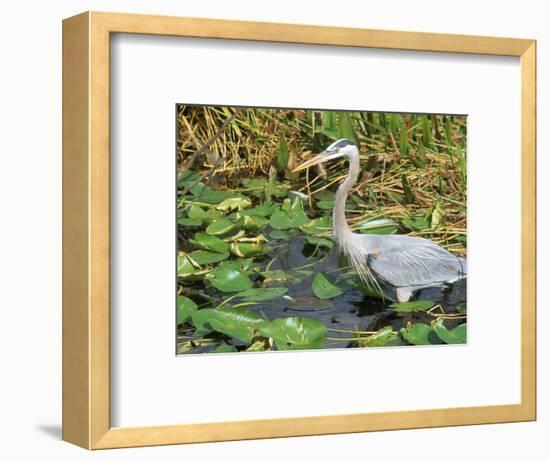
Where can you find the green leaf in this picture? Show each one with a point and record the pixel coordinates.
(413, 306)
(318, 225)
(282, 234)
(436, 216)
(262, 294)
(324, 205)
(455, 336)
(320, 242)
(210, 242)
(403, 142)
(380, 226)
(282, 153)
(383, 337)
(295, 333)
(229, 279)
(223, 348)
(207, 257)
(345, 128)
(196, 212)
(289, 215)
(186, 307)
(417, 333)
(235, 322)
(220, 226)
(234, 203)
(261, 210)
(208, 195)
(323, 288)
(186, 267)
(190, 222)
(415, 223)
(245, 249)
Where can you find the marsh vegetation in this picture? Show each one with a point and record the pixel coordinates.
(257, 266)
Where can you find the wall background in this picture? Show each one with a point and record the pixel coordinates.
(30, 243)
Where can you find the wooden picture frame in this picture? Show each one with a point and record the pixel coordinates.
(86, 233)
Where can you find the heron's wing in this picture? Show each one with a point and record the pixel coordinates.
(415, 262)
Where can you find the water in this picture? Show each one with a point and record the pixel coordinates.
(352, 310)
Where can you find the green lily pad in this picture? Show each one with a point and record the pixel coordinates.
(186, 307)
(225, 348)
(209, 195)
(235, 322)
(208, 257)
(318, 225)
(324, 288)
(277, 234)
(229, 280)
(252, 222)
(245, 249)
(418, 333)
(234, 203)
(220, 226)
(261, 210)
(263, 294)
(281, 276)
(289, 215)
(210, 242)
(380, 226)
(416, 223)
(320, 242)
(295, 333)
(186, 267)
(325, 205)
(413, 306)
(196, 212)
(383, 337)
(188, 222)
(455, 336)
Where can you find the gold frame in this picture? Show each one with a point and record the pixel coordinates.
(86, 362)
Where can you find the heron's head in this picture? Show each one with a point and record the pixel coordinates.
(338, 149)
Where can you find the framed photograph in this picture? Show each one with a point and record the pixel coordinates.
(276, 230)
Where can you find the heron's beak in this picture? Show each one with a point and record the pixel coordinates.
(319, 158)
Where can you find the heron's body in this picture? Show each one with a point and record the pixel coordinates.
(398, 265)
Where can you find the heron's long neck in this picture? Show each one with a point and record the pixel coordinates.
(340, 225)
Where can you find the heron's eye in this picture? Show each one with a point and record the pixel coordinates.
(337, 149)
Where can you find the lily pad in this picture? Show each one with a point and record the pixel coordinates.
(220, 226)
(234, 203)
(325, 205)
(324, 288)
(318, 225)
(277, 234)
(419, 334)
(289, 215)
(380, 226)
(186, 267)
(229, 280)
(416, 223)
(262, 294)
(210, 242)
(244, 249)
(294, 333)
(225, 348)
(235, 322)
(261, 210)
(455, 336)
(208, 195)
(383, 337)
(207, 257)
(196, 212)
(413, 306)
(186, 307)
(320, 242)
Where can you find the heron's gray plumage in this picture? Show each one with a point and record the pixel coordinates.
(395, 265)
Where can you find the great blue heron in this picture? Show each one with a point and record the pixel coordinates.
(395, 265)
